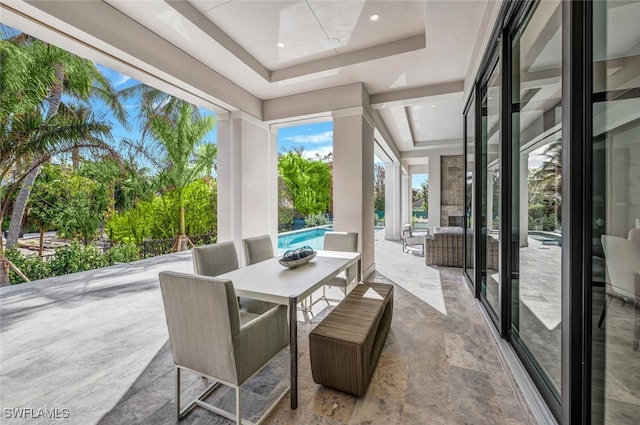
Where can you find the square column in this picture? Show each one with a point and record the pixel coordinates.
(392, 206)
(435, 189)
(247, 180)
(406, 199)
(353, 179)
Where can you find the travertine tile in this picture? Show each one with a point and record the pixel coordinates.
(439, 364)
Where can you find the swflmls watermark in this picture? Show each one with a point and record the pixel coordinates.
(40, 413)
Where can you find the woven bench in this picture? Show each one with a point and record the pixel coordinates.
(346, 345)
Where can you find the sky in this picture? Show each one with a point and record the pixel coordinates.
(315, 139)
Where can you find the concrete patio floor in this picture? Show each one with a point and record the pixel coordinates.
(92, 348)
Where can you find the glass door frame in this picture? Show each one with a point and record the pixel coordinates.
(471, 102)
(520, 19)
(575, 400)
(492, 65)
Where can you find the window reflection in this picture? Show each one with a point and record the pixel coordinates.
(490, 219)
(469, 191)
(537, 189)
(616, 213)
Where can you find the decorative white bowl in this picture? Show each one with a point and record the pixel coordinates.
(299, 262)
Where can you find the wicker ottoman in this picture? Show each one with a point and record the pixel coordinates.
(346, 345)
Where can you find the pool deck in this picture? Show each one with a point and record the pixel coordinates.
(92, 348)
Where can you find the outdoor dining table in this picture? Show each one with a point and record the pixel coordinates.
(270, 281)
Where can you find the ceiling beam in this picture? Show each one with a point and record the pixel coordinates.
(414, 95)
(351, 58)
(198, 19)
(313, 102)
(422, 153)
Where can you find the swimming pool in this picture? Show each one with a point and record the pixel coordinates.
(546, 238)
(313, 237)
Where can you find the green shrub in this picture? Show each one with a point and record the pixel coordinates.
(549, 223)
(124, 253)
(30, 265)
(535, 223)
(314, 220)
(68, 259)
(536, 210)
(74, 258)
(158, 217)
(285, 216)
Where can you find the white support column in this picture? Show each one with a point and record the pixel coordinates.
(524, 200)
(406, 199)
(247, 180)
(353, 179)
(434, 190)
(392, 199)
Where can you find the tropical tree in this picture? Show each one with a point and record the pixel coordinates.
(45, 196)
(378, 187)
(545, 188)
(31, 135)
(210, 151)
(176, 146)
(153, 103)
(57, 72)
(309, 182)
(424, 193)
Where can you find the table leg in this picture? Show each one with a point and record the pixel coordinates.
(293, 350)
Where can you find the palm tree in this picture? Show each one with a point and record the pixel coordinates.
(30, 135)
(66, 73)
(155, 103)
(548, 178)
(176, 145)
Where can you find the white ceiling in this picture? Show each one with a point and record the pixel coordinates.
(412, 61)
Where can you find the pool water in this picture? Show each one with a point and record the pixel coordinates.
(308, 237)
(313, 237)
(546, 239)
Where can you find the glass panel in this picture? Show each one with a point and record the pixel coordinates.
(537, 189)
(469, 190)
(490, 220)
(616, 213)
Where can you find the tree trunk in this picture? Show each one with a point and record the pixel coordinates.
(182, 225)
(20, 206)
(41, 247)
(25, 190)
(181, 243)
(4, 272)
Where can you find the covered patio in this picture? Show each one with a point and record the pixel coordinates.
(92, 348)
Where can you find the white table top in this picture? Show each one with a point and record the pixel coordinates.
(270, 281)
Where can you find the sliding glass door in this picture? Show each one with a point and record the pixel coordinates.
(536, 192)
(469, 204)
(489, 252)
(615, 249)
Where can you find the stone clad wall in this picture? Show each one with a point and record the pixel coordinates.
(451, 188)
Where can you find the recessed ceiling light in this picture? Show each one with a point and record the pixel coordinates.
(331, 43)
(280, 44)
(432, 106)
(374, 17)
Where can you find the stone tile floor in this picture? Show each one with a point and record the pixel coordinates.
(94, 346)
